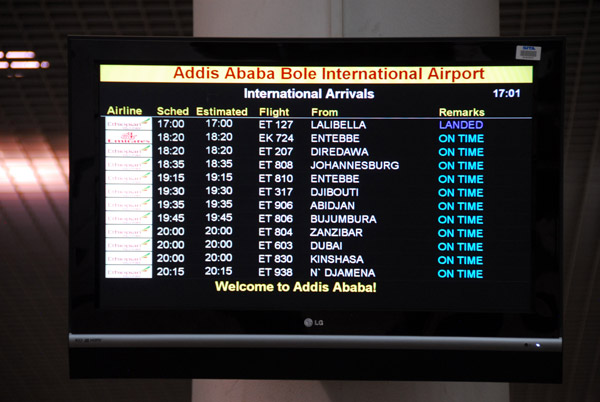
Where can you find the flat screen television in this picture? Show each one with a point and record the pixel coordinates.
(377, 209)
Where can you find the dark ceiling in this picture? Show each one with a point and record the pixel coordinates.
(34, 203)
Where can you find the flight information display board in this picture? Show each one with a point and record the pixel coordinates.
(362, 187)
(317, 205)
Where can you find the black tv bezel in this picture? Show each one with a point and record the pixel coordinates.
(88, 322)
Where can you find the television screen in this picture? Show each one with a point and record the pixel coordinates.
(280, 208)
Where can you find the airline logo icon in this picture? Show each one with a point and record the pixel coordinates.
(128, 123)
(128, 177)
(129, 271)
(128, 258)
(128, 218)
(128, 137)
(131, 190)
(128, 163)
(142, 231)
(129, 204)
(129, 244)
(134, 150)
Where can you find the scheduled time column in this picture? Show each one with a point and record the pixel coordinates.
(171, 179)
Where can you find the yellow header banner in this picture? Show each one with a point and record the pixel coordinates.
(316, 75)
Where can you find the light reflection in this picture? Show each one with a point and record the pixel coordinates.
(37, 170)
(20, 54)
(24, 64)
(20, 172)
(21, 60)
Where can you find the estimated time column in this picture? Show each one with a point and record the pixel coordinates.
(219, 135)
